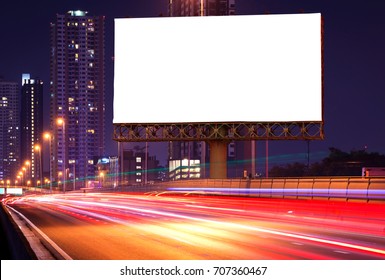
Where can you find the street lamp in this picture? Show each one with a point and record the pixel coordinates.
(48, 137)
(28, 164)
(38, 148)
(101, 178)
(59, 178)
(60, 121)
(24, 175)
(74, 174)
(20, 177)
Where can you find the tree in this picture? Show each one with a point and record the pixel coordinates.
(338, 163)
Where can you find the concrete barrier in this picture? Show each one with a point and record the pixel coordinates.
(338, 188)
(276, 188)
(357, 189)
(14, 246)
(306, 186)
(326, 188)
(376, 189)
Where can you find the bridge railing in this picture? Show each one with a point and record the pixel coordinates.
(336, 188)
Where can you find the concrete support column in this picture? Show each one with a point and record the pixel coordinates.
(218, 159)
(253, 158)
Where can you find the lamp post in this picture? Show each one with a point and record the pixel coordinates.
(38, 148)
(101, 179)
(74, 174)
(20, 177)
(28, 164)
(61, 122)
(24, 170)
(48, 137)
(59, 176)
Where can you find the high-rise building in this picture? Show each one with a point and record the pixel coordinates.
(31, 127)
(77, 94)
(9, 131)
(201, 7)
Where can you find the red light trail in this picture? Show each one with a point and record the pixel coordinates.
(213, 227)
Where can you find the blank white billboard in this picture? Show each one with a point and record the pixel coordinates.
(263, 68)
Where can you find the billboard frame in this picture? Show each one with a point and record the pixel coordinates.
(226, 131)
(218, 134)
(232, 131)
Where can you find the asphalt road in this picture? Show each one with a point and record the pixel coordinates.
(130, 226)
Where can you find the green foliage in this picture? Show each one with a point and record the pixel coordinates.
(338, 163)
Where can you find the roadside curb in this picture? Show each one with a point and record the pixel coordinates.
(43, 247)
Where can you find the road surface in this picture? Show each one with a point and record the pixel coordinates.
(99, 226)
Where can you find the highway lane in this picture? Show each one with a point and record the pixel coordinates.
(130, 226)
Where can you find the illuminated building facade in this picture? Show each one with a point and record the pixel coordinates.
(108, 172)
(139, 169)
(31, 127)
(9, 131)
(77, 89)
(201, 7)
(184, 169)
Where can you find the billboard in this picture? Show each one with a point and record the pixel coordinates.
(260, 68)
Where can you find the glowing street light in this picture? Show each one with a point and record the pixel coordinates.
(101, 178)
(20, 176)
(38, 148)
(28, 164)
(48, 137)
(60, 121)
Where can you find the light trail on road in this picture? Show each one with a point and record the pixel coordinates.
(131, 226)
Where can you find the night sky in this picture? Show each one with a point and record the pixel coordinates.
(354, 63)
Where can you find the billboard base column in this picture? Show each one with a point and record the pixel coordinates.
(218, 159)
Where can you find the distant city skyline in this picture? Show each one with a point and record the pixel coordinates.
(353, 62)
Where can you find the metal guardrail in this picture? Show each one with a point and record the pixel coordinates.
(332, 188)
(342, 188)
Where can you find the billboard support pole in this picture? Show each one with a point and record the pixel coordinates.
(218, 159)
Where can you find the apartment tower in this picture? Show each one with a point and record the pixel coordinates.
(32, 129)
(9, 131)
(77, 88)
(182, 8)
